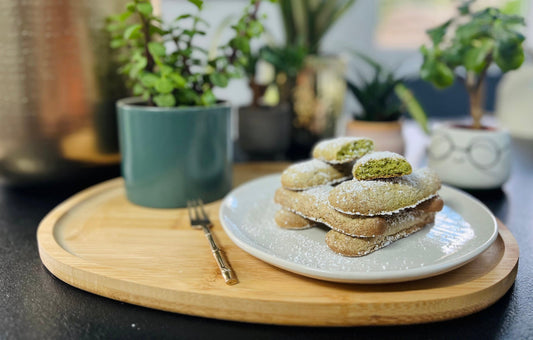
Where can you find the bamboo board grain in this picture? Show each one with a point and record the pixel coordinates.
(99, 242)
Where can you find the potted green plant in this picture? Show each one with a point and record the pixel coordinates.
(383, 100)
(317, 91)
(265, 125)
(472, 156)
(174, 137)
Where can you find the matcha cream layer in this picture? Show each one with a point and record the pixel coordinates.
(383, 164)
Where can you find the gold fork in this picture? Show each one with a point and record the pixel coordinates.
(200, 220)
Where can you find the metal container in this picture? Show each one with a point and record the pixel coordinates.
(58, 89)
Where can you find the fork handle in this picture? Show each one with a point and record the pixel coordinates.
(227, 273)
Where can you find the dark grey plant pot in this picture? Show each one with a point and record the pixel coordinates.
(264, 130)
(171, 155)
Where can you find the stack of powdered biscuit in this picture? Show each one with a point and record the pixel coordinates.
(368, 199)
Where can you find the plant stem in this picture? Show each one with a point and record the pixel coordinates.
(252, 16)
(474, 87)
(474, 93)
(150, 63)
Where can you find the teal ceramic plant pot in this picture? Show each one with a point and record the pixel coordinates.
(171, 155)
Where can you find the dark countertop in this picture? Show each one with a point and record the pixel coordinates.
(36, 305)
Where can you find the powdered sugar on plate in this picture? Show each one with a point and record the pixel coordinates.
(462, 230)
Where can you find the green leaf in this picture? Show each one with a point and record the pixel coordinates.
(188, 97)
(156, 49)
(117, 43)
(145, 8)
(475, 58)
(183, 16)
(187, 52)
(192, 33)
(219, 79)
(165, 100)
(149, 79)
(508, 55)
(124, 16)
(136, 65)
(437, 73)
(197, 3)
(208, 98)
(138, 89)
(130, 7)
(157, 30)
(178, 80)
(437, 34)
(132, 31)
(255, 28)
(472, 30)
(412, 105)
(464, 8)
(164, 86)
(141, 62)
(240, 43)
(165, 70)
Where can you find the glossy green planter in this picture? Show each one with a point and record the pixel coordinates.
(171, 155)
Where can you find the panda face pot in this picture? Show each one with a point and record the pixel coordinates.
(470, 158)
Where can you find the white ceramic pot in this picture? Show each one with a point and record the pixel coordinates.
(469, 158)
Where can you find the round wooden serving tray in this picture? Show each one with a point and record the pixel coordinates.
(99, 242)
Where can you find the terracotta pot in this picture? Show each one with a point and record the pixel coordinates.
(387, 136)
(469, 158)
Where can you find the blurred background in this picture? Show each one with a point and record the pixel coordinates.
(388, 31)
(57, 116)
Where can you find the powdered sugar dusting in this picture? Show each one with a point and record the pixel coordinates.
(248, 218)
(339, 142)
(382, 197)
(311, 173)
(379, 155)
(384, 213)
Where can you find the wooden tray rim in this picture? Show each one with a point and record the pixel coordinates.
(59, 261)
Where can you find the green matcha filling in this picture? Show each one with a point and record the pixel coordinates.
(381, 168)
(355, 150)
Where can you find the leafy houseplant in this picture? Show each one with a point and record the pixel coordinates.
(174, 136)
(479, 39)
(477, 157)
(184, 75)
(383, 99)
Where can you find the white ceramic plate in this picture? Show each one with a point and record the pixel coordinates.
(462, 230)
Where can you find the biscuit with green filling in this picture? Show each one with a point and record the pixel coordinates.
(356, 246)
(385, 196)
(343, 149)
(311, 173)
(289, 220)
(313, 205)
(382, 164)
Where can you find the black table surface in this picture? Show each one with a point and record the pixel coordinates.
(36, 305)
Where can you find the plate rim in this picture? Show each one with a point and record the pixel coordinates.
(352, 277)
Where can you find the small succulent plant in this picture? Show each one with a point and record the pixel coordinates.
(384, 97)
